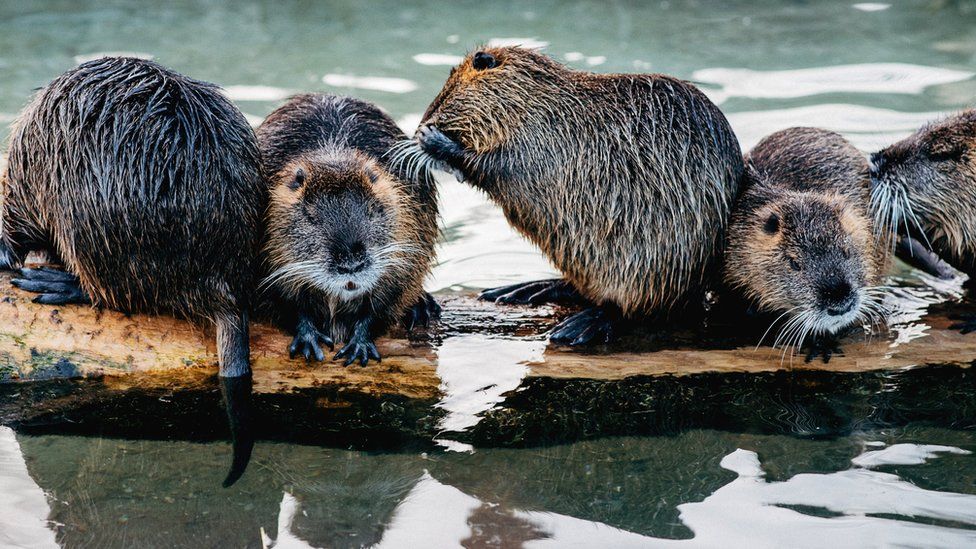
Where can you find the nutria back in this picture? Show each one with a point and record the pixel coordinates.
(625, 181)
(145, 182)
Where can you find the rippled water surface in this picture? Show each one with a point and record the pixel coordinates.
(781, 462)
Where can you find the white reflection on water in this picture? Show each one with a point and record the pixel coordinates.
(437, 59)
(532, 43)
(287, 511)
(900, 78)
(476, 370)
(868, 128)
(871, 6)
(747, 512)
(904, 454)
(23, 506)
(378, 83)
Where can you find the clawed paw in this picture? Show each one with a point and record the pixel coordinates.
(358, 349)
(592, 325)
(536, 292)
(54, 286)
(306, 343)
(422, 313)
(823, 348)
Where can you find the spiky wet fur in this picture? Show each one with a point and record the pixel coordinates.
(144, 182)
(339, 142)
(816, 186)
(925, 186)
(625, 181)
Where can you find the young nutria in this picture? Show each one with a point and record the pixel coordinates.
(802, 242)
(625, 181)
(147, 185)
(350, 236)
(925, 189)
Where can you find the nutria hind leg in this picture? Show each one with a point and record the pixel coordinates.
(307, 340)
(54, 286)
(824, 346)
(233, 354)
(537, 292)
(422, 313)
(594, 325)
(360, 345)
(918, 255)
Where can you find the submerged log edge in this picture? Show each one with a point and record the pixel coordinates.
(39, 342)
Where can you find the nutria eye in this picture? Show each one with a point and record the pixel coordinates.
(794, 264)
(298, 180)
(772, 224)
(483, 61)
(372, 175)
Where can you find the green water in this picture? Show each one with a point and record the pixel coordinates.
(540, 465)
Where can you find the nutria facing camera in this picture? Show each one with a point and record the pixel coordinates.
(802, 243)
(625, 181)
(925, 190)
(350, 235)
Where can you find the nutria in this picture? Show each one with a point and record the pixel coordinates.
(802, 243)
(350, 235)
(925, 189)
(625, 181)
(146, 185)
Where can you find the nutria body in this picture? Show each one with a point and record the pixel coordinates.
(625, 181)
(350, 236)
(925, 189)
(146, 184)
(802, 243)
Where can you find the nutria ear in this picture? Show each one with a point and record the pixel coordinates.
(298, 180)
(950, 143)
(772, 223)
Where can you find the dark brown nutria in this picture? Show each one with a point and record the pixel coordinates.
(925, 189)
(350, 236)
(147, 185)
(625, 181)
(802, 243)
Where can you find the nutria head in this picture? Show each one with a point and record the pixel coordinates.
(806, 254)
(494, 98)
(338, 223)
(925, 185)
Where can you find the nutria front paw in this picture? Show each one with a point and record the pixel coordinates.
(422, 313)
(56, 287)
(823, 347)
(593, 325)
(306, 341)
(359, 348)
(537, 292)
(437, 144)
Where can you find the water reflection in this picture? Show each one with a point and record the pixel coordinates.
(701, 488)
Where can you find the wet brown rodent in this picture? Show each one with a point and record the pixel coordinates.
(350, 236)
(925, 189)
(146, 184)
(802, 244)
(625, 181)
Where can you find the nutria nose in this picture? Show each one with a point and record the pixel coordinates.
(838, 296)
(350, 258)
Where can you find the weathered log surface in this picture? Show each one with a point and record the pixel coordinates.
(44, 342)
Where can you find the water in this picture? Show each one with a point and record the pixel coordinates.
(518, 459)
